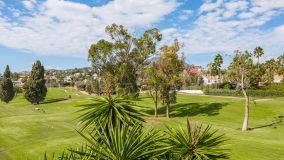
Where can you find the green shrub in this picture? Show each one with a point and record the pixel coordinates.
(238, 93)
(227, 85)
(194, 87)
(274, 87)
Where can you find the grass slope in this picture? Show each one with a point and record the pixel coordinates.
(26, 133)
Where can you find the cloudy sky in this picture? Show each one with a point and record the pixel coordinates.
(59, 32)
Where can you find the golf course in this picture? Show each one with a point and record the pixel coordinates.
(29, 131)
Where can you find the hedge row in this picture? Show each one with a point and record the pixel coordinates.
(237, 93)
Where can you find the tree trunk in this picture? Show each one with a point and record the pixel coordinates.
(156, 103)
(168, 110)
(246, 118)
(168, 102)
(257, 62)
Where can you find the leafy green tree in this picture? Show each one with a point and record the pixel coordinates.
(170, 67)
(34, 88)
(105, 111)
(196, 143)
(241, 71)
(258, 52)
(153, 83)
(119, 61)
(6, 86)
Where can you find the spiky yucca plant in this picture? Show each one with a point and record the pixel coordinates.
(120, 143)
(196, 143)
(114, 111)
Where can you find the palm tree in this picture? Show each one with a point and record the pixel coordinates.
(270, 67)
(196, 142)
(105, 111)
(218, 61)
(121, 143)
(258, 52)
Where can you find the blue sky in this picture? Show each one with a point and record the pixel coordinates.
(59, 32)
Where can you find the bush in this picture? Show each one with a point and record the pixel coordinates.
(194, 87)
(238, 93)
(227, 85)
(222, 92)
(274, 87)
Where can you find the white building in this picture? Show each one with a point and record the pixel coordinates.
(208, 80)
(67, 79)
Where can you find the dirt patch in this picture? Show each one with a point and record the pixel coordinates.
(151, 121)
(86, 93)
(66, 101)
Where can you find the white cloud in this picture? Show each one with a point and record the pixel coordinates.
(237, 5)
(261, 6)
(61, 27)
(185, 14)
(29, 4)
(224, 26)
(208, 6)
(246, 15)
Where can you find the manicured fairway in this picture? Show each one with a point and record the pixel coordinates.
(27, 133)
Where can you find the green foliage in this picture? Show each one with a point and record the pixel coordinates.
(153, 84)
(280, 65)
(120, 143)
(237, 93)
(274, 87)
(119, 61)
(197, 143)
(6, 86)
(258, 52)
(106, 111)
(241, 69)
(270, 70)
(218, 61)
(17, 90)
(170, 66)
(227, 85)
(34, 88)
(54, 131)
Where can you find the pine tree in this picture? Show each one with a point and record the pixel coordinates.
(34, 88)
(6, 86)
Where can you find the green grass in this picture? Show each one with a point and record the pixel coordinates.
(26, 133)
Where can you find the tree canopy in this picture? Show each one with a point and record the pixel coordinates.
(119, 61)
(170, 64)
(6, 86)
(34, 88)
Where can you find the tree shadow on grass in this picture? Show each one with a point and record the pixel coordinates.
(191, 109)
(54, 100)
(274, 124)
